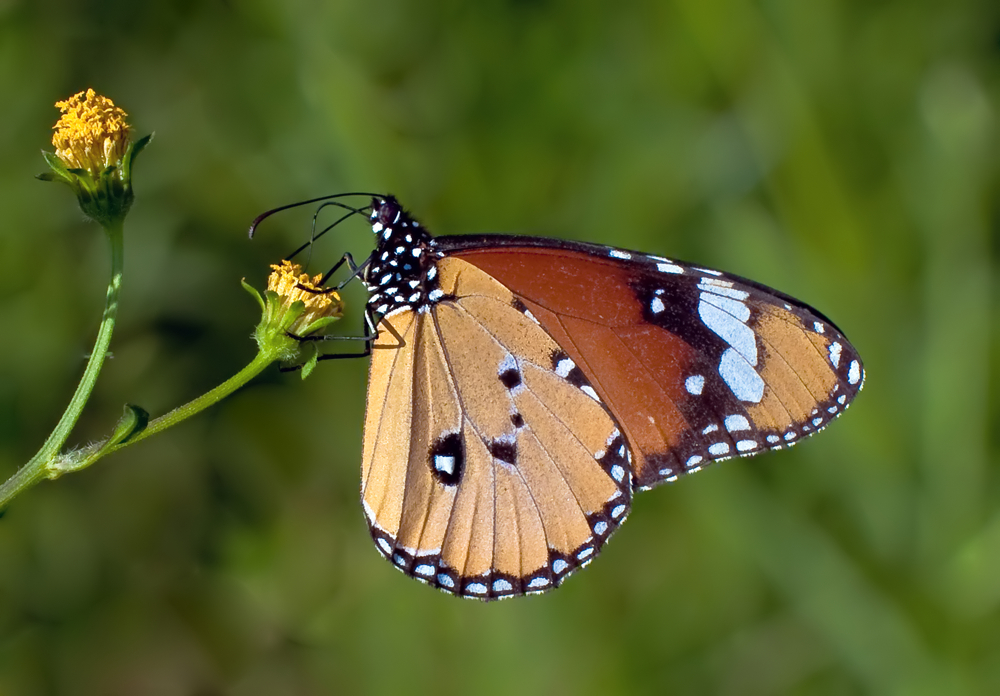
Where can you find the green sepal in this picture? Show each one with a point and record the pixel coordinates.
(292, 314)
(256, 295)
(309, 365)
(318, 324)
(131, 153)
(59, 171)
(272, 302)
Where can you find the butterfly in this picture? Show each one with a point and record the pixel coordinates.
(522, 389)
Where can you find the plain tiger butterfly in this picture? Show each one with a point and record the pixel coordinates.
(521, 389)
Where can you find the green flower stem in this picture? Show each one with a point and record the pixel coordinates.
(57, 465)
(180, 413)
(37, 468)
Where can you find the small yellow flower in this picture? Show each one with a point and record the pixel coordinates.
(294, 307)
(291, 285)
(94, 156)
(92, 133)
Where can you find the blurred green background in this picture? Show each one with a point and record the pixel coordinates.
(842, 151)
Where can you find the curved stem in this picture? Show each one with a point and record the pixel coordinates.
(190, 408)
(36, 469)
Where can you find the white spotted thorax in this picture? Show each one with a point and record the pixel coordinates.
(401, 274)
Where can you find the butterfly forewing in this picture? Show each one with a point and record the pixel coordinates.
(696, 365)
(498, 471)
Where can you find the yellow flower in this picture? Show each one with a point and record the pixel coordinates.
(295, 307)
(291, 285)
(94, 156)
(91, 134)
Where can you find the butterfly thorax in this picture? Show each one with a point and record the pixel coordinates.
(401, 274)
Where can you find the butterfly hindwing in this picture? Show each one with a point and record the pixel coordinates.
(491, 467)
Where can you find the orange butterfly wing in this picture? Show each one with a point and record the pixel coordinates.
(695, 365)
(489, 470)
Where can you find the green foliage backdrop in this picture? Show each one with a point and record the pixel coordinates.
(844, 151)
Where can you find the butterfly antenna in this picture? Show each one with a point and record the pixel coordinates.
(313, 236)
(263, 216)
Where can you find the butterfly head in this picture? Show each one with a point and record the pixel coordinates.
(386, 211)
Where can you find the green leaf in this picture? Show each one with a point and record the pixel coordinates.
(132, 422)
(310, 363)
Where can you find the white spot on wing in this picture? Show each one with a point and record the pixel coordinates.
(502, 585)
(718, 449)
(694, 384)
(740, 376)
(728, 326)
(564, 367)
(669, 268)
(835, 349)
(445, 463)
(619, 254)
(729, 305)
(656, 306)
(737, 422)
(854, 372)
(723, 291)
(746, 445)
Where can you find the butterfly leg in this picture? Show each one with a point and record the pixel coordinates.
(372, 335)
(356, 270)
